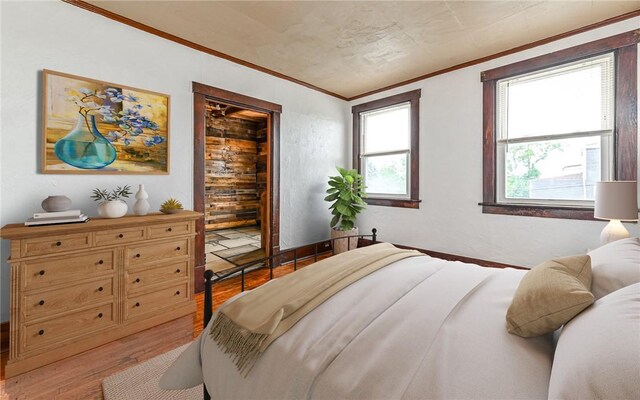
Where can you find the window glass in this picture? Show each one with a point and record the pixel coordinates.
(555, 136)
(574, 98)
(557, 169)
(387, 129)
(386, 174)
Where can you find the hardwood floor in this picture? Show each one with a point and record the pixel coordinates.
(80, 376)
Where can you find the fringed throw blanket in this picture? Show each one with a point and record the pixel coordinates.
(246, 326)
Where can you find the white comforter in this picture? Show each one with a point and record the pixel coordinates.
(419, 328)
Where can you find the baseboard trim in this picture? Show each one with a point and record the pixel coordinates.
(305, 252)
(4, 337)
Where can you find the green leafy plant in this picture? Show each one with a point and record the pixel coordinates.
(346, 192)
(171, 204)
(102, 195)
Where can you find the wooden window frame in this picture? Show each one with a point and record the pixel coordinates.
(412, 97)
(625, 49)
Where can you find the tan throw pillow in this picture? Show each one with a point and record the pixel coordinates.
(550, 295)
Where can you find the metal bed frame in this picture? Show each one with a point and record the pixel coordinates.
(281, 258)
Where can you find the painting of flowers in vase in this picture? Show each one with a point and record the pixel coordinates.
(92, 126)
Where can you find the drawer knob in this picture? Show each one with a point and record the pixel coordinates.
(100, 289)
(100, 315)
(177, 293)
(137, 304)
(178, 271)
(137, 280)
(41, 332)
(101, 262)
(41, 272)
(138, 255)
(178, 248)
(169, 229)
(58, 243)
(41, 302)
(121, 236)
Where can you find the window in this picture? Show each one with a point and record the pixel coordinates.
(556, 124)
(555, 133)
(385, 149)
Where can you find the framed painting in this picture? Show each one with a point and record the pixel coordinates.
(96, 127)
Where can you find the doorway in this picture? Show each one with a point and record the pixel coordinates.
(235, 186)
(236, 179)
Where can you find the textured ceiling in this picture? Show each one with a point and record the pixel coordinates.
(353, 47)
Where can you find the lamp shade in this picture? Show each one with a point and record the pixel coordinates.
(616, 200)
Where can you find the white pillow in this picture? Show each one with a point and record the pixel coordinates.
(598, 353)
(614, 266)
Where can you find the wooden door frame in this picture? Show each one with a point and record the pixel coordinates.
(202, 93)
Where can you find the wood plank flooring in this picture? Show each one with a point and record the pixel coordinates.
(80, 376)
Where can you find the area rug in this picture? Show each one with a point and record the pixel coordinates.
(141, 382)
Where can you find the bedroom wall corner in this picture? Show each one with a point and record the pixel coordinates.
(449, 219)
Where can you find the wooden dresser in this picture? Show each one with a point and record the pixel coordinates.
(75, 287)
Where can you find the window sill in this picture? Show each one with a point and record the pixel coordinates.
(402, 203)
(541, 211)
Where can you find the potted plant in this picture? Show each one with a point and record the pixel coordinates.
(345, 192)
(111, 205)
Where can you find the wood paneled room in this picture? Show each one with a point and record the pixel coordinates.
(319, 200)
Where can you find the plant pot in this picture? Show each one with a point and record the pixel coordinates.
(113, 209)
(171, 210)
(343, 245)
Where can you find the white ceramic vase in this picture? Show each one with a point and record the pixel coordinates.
(113, 209)
(141, 206)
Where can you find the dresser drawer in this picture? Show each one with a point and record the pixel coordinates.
(38, 334)
(168, 230)
(46, 271)
(67, 299)
(55, 244)
(156, 251)
(155, 301)
(118, 236)
(141, 278)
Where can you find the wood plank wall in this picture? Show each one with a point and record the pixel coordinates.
(234, 173)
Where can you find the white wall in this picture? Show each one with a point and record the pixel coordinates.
(449, 218)
(61, 37)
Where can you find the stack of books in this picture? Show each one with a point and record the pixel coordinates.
(59, 217)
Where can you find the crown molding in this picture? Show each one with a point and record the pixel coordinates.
(149, 29)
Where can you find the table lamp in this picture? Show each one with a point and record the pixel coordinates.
(616, 201)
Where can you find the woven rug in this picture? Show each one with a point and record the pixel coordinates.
(141, 382)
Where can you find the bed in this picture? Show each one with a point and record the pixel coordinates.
(423, 327)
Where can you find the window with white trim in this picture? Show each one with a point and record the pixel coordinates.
(554, 133)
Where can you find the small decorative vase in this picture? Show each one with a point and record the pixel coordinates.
(113, 209)
(85, 147)
(141, 206)
(56, 203)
